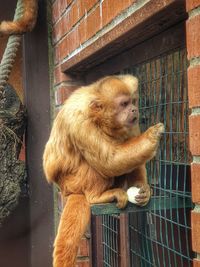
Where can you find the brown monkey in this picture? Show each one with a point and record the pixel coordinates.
(25, 23)
(96, 138)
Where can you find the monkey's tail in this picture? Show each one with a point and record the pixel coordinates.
(73, 224)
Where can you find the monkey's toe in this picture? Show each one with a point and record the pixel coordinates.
(122, 202)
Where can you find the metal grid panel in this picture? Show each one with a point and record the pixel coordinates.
(110, 240)
(161, 237)
(159, 234)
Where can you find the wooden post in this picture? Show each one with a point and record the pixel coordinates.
(37, 100)
(97, 245)
(124, 241)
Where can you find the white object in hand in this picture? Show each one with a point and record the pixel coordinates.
(132, 192)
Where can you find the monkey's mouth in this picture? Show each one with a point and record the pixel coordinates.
(133, 120)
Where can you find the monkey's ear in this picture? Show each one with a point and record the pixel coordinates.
(96, 105)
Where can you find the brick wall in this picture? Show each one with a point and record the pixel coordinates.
(193, 48)
(81, 28)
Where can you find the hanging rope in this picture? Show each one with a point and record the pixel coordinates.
(10, 52)
(12, 124)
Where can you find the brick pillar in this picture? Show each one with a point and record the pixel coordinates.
(193, 49)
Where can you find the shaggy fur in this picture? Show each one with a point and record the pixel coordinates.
(89, 149)
(25, 23)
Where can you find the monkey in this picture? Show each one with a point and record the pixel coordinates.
(25, 23)
(95, 140)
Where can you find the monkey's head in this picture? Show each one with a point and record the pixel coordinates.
(115, 107)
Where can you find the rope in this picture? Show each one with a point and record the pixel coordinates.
(10, 52)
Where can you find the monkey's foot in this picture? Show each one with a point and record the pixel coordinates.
(143, 195)
(122, 198)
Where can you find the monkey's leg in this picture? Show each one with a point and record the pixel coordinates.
(114, 194)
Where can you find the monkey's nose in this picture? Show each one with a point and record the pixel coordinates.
(134, 110)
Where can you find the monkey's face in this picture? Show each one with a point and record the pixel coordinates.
(126, 110)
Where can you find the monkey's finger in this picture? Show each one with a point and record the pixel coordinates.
(142, 202)
(146, 189)
(142, 196)
(121, 204)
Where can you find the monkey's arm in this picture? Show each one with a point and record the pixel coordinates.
(114, 160)
(138, 177)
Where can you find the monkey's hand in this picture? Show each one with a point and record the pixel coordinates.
(154, 134)
(144, 195)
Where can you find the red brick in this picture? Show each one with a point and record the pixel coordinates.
(73, 40)
(191, 4)
(195, 177)
(64, 4)
(59, 76)
(62, 93)
(55, 11)
(69, 1)
(83, 263)
(59, 29)
(194, 134)
(193, 86)
(56, 54)
(58, 8)
(69, 43)
(193, 36)
(65, 24)
(83, 250)
(75, 13)
(90, 26)
(63, 48)
(87, 4)
(112, 8)
(195, 223)
(71, 17)
(196, 263)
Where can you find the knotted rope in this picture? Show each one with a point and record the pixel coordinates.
(10, 52)
(12, 124)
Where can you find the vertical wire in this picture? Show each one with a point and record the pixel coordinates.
(163, 76)
(171, 156)
(176, 73)
(185, 101)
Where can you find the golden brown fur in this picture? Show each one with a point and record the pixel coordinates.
(25, 23)
(89, 148)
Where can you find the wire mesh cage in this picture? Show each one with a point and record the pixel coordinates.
(110, 241)
(164, 233)
(160, 234)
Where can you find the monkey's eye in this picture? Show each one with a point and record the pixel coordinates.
(124, 103)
